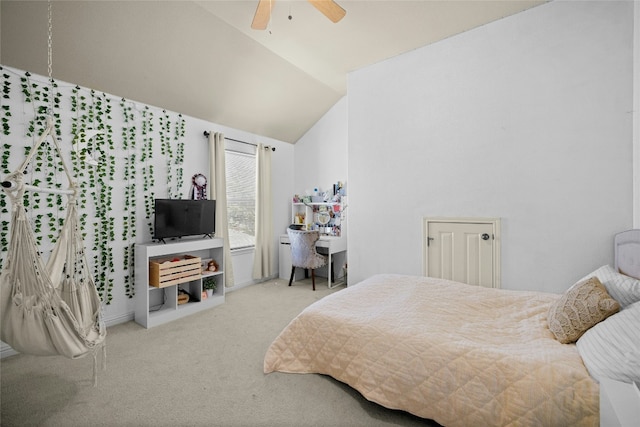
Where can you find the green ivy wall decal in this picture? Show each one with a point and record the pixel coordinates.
(79, 167)
(178, 141)
(5, 112)
(129, 136)
(43, 210)
(99, 113)
(147, 157)
(127, 168)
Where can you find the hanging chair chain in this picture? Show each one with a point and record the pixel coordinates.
(50, 57)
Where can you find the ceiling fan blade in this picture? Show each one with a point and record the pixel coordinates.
(330, 9)
(263, 14)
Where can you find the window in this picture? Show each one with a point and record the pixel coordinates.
(240, 164)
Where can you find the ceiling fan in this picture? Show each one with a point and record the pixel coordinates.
(328, 8)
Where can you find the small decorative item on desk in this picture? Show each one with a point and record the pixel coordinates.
(299, 218)
(209, 285)
(323, 217)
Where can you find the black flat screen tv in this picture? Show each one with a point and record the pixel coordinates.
(176, 218)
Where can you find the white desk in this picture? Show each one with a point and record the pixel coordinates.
(332, 246)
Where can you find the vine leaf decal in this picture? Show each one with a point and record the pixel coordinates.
(133, 152)
(81, 141)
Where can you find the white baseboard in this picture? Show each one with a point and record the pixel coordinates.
(238, 286)
(6, 350)
(116, 320)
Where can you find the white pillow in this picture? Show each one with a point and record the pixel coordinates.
(611, 349)
(624, 289)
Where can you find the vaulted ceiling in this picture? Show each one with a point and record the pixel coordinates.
(202, 58)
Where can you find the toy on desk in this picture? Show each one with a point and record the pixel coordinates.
(299, 218)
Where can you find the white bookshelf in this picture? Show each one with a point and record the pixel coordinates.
(155, 306)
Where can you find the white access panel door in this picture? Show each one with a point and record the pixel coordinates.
(462, 251)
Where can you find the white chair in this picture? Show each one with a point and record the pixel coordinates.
(304, 254)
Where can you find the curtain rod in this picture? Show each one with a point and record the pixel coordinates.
(207, 133)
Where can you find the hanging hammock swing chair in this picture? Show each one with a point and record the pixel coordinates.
(51, 309)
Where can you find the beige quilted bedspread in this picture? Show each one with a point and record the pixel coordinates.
(458, 354)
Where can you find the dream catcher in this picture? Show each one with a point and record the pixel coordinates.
(198, 187)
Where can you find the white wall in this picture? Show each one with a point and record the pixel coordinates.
(195, 160)
(636, 115)
(321, 154)
(527, 119)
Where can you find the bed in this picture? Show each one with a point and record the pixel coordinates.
(463, 355)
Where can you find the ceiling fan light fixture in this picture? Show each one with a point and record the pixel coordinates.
(328, 8)
(263, 15)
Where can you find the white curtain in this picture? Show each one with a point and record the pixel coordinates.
(264, 225)
(218, 191)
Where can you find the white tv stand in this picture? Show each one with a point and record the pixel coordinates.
(155, 306)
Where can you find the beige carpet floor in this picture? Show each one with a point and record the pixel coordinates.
(202, 370)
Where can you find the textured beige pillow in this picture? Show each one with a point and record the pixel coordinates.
(583, 305)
